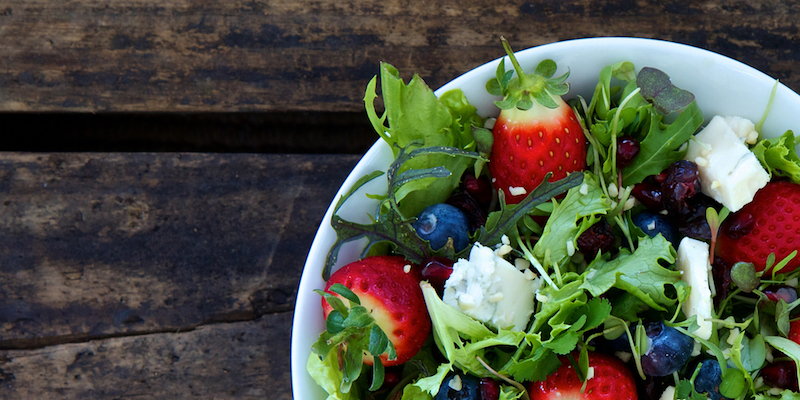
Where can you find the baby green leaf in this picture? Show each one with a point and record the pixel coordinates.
(658, 89)
(743, 274)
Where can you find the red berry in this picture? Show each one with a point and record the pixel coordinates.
(536, 139)
(627, 150)
(436, 270)
(611, 380)
(782, 374)
(776, 229)
(391, 292)
(490, 389)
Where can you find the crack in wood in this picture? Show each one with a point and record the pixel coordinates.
(42, 342)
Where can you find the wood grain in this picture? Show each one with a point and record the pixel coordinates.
(105, 245)
(243, 360)
(232, 56)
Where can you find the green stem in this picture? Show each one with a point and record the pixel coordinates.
(524, 79)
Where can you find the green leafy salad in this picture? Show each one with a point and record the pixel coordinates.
(584, 297)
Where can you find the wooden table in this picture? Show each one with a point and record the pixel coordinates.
(172, 159)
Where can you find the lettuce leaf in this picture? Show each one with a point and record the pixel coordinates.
(778, 156)
(328, 376)
(563, 227)
(416, 117)
(639, 273)
(460, 338)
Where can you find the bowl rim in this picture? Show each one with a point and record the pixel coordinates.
(300, 346)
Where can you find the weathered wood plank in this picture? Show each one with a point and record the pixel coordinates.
(244, 360)
(97, 245)
(242, 55)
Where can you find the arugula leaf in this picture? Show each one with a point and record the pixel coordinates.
(562, 225)
(661, 146)
(778, 156)
(504, 222)
(415, 115)
(638, 273)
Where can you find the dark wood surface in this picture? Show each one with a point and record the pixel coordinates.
(131, 267)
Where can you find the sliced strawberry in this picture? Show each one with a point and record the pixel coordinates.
(610, 380)
(775, 228)
(535, 133)
(388, 287)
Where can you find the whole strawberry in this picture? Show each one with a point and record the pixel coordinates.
(609, 379)
(773, 227)
(536, 131)
(388, 287)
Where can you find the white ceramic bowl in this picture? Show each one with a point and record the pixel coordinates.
(721, 86)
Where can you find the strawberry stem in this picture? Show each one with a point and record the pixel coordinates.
(524, 80)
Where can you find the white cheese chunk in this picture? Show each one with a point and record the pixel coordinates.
(742, 127)
(694, 266)
(731, 173)
(490, 289)
(668, 394)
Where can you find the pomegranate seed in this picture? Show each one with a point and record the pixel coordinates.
(782, 374)
(649, 195)
(740, 225)
(392, 377)
(775, 293)
(490, 389)
(627, 150)
(479, 188)
(436, 270)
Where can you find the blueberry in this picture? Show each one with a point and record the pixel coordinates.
(459, 387)
(653, 223)
(709, 379)
(667, 349)
(439, 222)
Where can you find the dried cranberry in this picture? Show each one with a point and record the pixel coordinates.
(599, 237)
(660, 178)
(649, 195)
(681, 184)
(782, 374)
(739, 225)
(436, 270)
(489, 388)
(475, 213)
(786, 293)
(479, 188)
(694, 223)
(721, 272)
(627, 150)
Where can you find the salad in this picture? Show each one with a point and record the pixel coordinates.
(609, 247)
